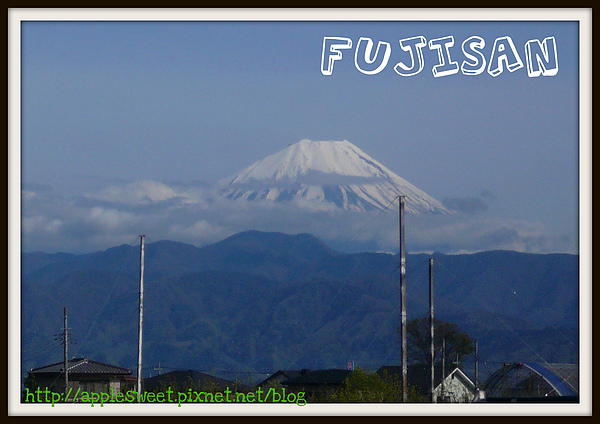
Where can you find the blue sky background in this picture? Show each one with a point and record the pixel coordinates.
(123, 120)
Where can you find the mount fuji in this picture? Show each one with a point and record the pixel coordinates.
(326, 175)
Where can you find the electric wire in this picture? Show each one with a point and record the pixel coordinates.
(375, 219)
(107, 299)
(508, 327)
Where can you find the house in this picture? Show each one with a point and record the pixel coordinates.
(533, 383)
(311, 382)
(278, 377)
(84, 375)
(181, 380)
(456, 387)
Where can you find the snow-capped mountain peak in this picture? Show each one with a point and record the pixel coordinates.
(325, 175)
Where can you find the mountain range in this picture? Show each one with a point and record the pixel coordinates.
(257, 302)
(326, 175)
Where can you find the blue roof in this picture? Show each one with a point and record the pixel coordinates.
(562, 388)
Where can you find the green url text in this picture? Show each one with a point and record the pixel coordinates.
(169, 396)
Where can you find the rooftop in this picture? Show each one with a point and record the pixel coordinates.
(82, 366)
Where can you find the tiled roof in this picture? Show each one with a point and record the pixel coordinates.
(181, 379)
(82, 366)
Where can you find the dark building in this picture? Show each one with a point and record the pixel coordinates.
(533, 383)
(84, 375)
(454, 387)
(311, 382)
(279, 377)
(181, 380)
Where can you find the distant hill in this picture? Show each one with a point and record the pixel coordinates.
(258, 302)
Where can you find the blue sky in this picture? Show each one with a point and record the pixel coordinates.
(115, 113)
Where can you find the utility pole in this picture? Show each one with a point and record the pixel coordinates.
(403, 299)
(66, 354)
(141, 317)
(476, 365)
(443, 368)
(431, 331)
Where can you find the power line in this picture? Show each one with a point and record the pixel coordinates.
(107, 299)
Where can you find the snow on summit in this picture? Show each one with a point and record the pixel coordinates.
(326, 175)
(330, 157)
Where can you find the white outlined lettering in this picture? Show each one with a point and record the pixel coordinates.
(504, 52)
(413, 46)
(446, 66)
(364, 49)
(331, 49)
(541, 57)
(471, 48)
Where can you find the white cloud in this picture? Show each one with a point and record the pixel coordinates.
(200, 232)
(43, 224)
(53, 226)
(31, 224)
(462, 233)
(109, 219)
(28, 194)
(138, 192)
(146, 192)
(191, 214)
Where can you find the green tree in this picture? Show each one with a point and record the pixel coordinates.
(457, 344)
(362, 386)
(30, 382)
(368, 387)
